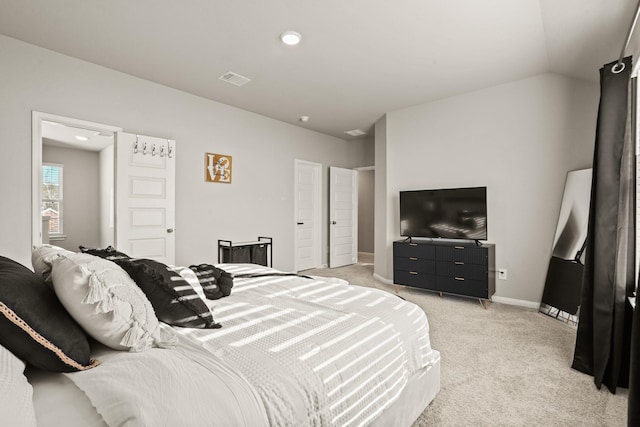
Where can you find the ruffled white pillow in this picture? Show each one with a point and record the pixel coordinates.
(41, 257)
(107, 303)
(16, 394)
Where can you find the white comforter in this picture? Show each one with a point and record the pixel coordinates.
(292, 351)
(185, 386)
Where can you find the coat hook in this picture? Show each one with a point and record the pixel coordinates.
(162, 151)
(170, 152)
(144, 148)
(135, 146)
(153, 150)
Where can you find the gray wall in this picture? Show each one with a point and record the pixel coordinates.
(81, 201)
(366, 200)
(519, 140)
(259, 202)
(363, 149)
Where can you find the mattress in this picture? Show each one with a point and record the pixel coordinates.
(291, 351)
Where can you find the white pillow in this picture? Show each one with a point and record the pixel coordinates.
(16, 394)
(41, 257)
(107, 303)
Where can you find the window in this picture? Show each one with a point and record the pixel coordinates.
(52, 196)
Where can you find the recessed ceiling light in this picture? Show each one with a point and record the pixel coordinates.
(291, 38)
(81, 138)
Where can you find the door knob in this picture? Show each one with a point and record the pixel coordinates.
(301, 223)
(333, 223)
(169, 230)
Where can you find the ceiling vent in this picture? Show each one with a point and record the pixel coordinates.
(355, 132)
(234, 78)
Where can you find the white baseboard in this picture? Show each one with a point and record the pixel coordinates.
(382, 279)
(517, 302)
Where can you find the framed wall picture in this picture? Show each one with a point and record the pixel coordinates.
(217, 168)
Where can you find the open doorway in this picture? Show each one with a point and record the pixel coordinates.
(366, 192)
(73, 178)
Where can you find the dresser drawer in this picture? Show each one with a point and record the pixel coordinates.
(461, 286)
(461, 269)
(415, 264)
(466, 254)
(415, 279)
(406, 249)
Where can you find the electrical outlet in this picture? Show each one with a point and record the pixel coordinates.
(502, 274)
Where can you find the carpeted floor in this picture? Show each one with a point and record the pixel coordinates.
(504, 366)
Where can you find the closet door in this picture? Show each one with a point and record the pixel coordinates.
(145, 197)
(308, 214)
(343, 217)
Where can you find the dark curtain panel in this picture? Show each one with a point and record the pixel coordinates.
(604, 327)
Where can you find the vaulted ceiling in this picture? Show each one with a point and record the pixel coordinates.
(357, 59)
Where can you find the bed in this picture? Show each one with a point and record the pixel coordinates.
(291, 350)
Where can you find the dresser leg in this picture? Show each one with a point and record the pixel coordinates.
(483, 303)
(440, 294)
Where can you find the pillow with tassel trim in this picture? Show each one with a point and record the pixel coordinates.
(216, 283)
(109, 252)
(41, 257)
(173, 299)
(190, 277)
(110, 307)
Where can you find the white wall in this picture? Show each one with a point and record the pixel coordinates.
(258, 202)
(107, 197)
(81, 198)
(519, 140)
(385, 231)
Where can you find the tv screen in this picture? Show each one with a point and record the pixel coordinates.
(456, 213)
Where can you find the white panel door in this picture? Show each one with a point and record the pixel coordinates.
(145, 197)
(343, 217)
(308, 203)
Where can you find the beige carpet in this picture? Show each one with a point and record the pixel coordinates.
(504, 366)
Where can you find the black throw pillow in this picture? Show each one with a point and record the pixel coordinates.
(35, 326)
(173, 299)
(216, 283)
(109, 253)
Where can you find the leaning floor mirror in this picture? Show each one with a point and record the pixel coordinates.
(561, 297)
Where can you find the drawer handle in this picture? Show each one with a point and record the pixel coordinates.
(459, 263)
(413, 272)
(413, 258)
(413, 244)
(459, 247)
(461, 279)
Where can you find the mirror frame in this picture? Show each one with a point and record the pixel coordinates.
(37, 118)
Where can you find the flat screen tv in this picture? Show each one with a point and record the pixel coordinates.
(454, 213)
